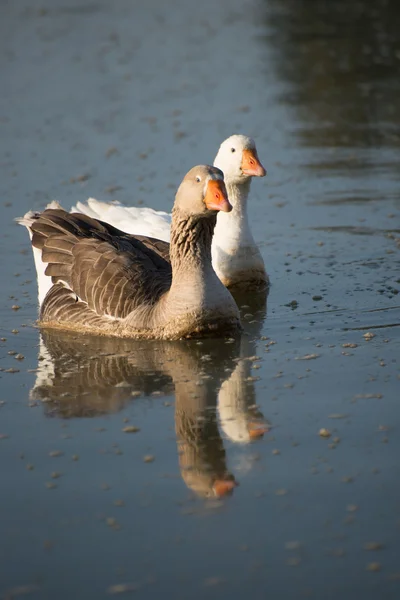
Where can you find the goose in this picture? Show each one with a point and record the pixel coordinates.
(104, 281)
(235, 256)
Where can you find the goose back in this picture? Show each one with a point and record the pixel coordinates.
(96, 270)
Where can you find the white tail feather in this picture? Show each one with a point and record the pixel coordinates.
(44, 281)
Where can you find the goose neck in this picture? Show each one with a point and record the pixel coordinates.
(191, 242)
(238, 194)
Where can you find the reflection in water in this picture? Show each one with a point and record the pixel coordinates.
(202, 457)
(240, 418)
(341, 60)
(85, 376)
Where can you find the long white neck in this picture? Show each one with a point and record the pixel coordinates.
(232, 229)
(235, 256)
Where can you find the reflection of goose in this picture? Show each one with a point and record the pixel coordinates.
(106, 282)
(202, 457)
(85, 376)
(89, 376)
(235, 256)
(240, 418)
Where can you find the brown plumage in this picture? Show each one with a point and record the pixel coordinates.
(113, 283)
(93, 369)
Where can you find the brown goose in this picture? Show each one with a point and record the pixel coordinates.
(111, 283)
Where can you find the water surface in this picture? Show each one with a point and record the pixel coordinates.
(110, 450)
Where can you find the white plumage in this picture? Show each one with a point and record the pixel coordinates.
(131, 219)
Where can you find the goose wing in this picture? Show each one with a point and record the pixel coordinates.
(112, 272)
(158, 246)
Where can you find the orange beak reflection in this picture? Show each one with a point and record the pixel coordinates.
(224, 487)
(216, 197)
(257, 430)
(251, 164)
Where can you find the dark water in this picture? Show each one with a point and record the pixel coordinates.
(118, 100)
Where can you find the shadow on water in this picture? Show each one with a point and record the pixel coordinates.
(341, 61)
(88, 376)
(337, 64)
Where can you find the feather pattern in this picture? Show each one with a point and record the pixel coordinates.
(114, 283)
(98, 263)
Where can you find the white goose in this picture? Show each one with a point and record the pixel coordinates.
(235, 256)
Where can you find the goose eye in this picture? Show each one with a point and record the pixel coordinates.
(233, 149)
(198, 179)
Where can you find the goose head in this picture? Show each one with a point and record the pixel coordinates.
(202, 192)
(238, 159)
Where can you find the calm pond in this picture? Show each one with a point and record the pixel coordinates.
(109, 449)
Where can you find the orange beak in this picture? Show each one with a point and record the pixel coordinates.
(223, 487)
(216, 197)
(251, 165)
(257, 430)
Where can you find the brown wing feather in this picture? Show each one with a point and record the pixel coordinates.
(112, 272)
(158, 246)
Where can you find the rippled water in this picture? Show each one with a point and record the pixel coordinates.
(110, 450)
